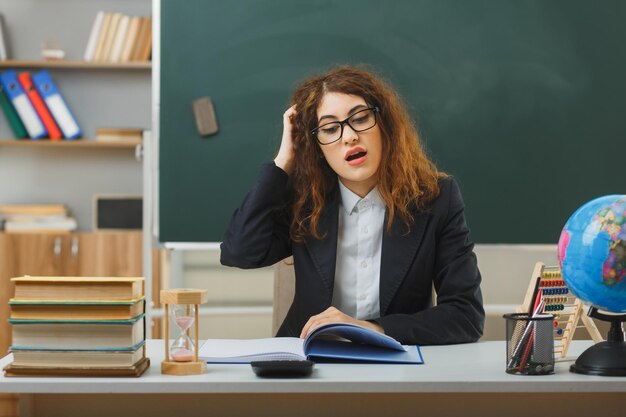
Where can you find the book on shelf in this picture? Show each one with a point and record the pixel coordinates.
(145, 50)
(94, 34)
(78, 335)
(119, 38)
(40, 107)
(102, 35)
(78, 358)
(131, 38)
(57, 105)
(22, 105)
(118, 41)
(336, 342)
(141, 34)
(29, 288)
(33, 210)
(51, 51)
(144, 41)
(46, 224)
(118, 135)
(19, 131)
(4, 40)
(135, 370)
(110, 37)
(74, 310)
(35, 217)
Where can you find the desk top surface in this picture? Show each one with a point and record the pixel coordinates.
(475, 367)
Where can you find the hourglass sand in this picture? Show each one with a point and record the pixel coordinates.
(181, 357)
(184, 316)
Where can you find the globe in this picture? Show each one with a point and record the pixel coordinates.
(592, 253)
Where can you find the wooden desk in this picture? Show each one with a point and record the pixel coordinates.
(458, 380)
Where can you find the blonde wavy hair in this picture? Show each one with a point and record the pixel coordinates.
(406, 178)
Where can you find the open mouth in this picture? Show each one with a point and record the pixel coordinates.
(356, 155)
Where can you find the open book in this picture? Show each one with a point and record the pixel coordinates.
(335, 342)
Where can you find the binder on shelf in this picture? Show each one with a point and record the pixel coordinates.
(12, 117)
(22, 105)
(57, 105)
(90, 51)
(42, 110)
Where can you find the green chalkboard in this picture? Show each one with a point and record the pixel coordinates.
(522, 101)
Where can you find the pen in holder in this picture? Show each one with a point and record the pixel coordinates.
(529, 344)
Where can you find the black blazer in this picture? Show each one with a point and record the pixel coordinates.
(436, 250)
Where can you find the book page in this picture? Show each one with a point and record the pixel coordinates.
(356, 334)
(246, 350)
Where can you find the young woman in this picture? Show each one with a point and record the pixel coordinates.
(370, 222)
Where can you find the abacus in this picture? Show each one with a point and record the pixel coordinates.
(547, 285)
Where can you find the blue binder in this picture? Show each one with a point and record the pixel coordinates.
(22, 105)
(57, 105)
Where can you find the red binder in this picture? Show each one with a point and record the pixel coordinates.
(42, 110)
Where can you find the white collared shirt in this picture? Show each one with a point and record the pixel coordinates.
(359, 244)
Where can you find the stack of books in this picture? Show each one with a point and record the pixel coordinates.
(82, 326)
(36, 218)
(118, 38)
(35, 108)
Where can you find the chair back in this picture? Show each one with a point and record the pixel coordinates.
(284, 290)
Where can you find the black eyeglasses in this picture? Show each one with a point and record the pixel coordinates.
(359, 122)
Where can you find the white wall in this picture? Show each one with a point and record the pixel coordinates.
(506, 272)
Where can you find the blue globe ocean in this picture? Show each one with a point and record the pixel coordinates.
(592, 253)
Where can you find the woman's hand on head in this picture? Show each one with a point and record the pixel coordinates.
(284, 159)
(332, 315)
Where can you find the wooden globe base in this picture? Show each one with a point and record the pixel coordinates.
(183, 368)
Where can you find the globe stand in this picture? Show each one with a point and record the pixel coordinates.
(604, 358)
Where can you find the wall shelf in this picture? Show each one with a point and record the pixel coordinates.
(62, 64)
(81, 143)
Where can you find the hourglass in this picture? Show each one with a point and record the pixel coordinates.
(181, 357)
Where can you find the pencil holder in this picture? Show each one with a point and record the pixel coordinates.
(529, 344)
